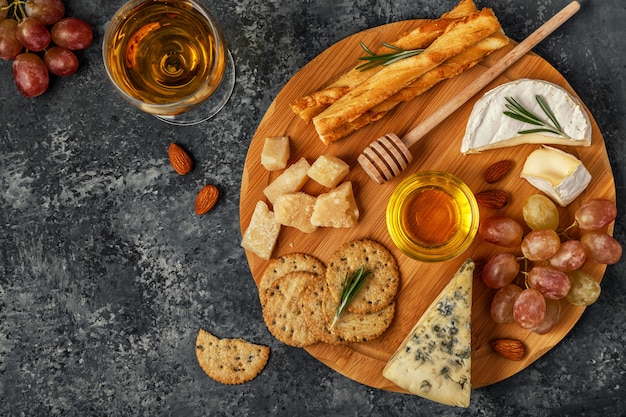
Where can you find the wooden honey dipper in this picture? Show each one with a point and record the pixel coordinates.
(389, 155)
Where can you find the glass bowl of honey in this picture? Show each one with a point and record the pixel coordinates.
(432, 216)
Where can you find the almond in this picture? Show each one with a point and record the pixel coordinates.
(493, 199)
(180, 159)
(511, 349)
(497, 171)
(206, 199)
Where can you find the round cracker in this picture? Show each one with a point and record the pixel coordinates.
(314, 314)
(283, 313)
(355, 327)
(285, 264)
(379, 288)
(230, 361)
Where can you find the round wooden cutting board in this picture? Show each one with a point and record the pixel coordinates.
(440, 150)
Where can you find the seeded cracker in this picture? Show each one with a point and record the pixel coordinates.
(230, 361)
(283, 313)
(354, 327)
(285, 264)
(313, 312)
(380, 287)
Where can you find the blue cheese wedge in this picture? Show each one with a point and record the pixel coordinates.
(559, 174)
(434, 360)
(488, 127)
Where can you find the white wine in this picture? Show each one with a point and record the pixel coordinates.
(164, 52)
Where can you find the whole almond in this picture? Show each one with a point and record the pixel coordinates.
(497, 171)
(206, 199)
(493, 199)
(180, 159)
(511, 349)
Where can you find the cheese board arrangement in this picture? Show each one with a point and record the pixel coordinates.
(380, 297)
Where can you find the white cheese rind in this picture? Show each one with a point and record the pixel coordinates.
(434, 360)
(488, 127)
(559, 174)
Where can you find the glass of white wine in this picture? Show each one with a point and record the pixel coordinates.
(169, 58)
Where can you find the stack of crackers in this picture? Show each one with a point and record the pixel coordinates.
(299, 295)
(457, 41)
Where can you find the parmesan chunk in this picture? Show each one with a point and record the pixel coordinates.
(262, 232)
(295, 210)
(290, 181)
(328, 170)
(275, 153)
(336, 208)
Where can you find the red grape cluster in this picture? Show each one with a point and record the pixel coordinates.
(556, 261)
(39, 40)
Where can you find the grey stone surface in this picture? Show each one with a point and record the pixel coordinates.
(106, 273)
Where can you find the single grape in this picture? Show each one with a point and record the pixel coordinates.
(540, 212)
(595, 214)
(551, 282)
(602, 248)
(501, 230)
(72, 33)
(10, 47)
(584, 290)
(529, 308)
(500, 270)
(570, 256)
(502, 304)
(4, 9)
(30, 74)
(541, 244)
(61, 61)
(553, 312)
(33, 34)
(47, 11)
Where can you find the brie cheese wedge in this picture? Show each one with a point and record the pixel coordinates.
(559, 174)
(488, 127)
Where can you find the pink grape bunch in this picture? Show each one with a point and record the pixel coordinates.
(556, 263)
(36, 36)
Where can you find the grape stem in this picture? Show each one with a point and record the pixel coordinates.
(564, 231)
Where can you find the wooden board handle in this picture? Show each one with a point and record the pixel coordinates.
(485, 78)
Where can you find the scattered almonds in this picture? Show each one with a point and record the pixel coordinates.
(497, 171)
(494, 199)
(206, 199)
(180, 159)
(511, 349)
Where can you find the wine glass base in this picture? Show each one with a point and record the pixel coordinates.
(211, 106)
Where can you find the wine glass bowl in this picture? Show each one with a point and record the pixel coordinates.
(169, 58)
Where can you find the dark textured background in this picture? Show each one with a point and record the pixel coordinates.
(106, 273)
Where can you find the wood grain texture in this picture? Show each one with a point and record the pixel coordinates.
(439, 150)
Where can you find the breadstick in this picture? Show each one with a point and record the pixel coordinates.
(450, 68)
(392, 78)
(311, 105)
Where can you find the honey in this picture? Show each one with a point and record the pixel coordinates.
(431, 216)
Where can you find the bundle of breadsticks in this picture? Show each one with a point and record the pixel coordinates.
(455, 42)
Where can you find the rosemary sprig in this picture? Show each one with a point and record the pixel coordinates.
(373, 59)
(519, 112)
(350, 286)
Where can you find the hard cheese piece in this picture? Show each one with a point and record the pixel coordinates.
(558, 174)
(262, 232)
(328, 170)
(336, 208)
(295, 210)
(488, 127)
(290, 181)
(275, 153)
(434, 360)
